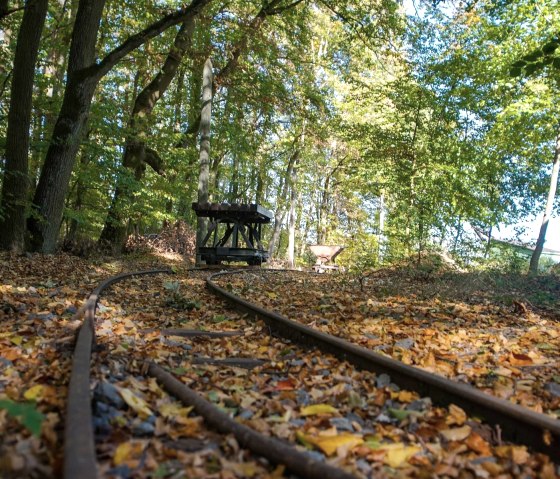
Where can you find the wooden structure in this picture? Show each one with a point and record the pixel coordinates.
(325, 254)
(234, 233)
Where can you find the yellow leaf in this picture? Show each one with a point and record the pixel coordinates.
(128, 453)
(122, 453)
(17, 340)
(33, 392)
(397, 455)
(517, 454)
(174, 409)
(318, 409)
(135, 402)
(271, 295)
(330, 444)
(456, 416)
(456, 433)
(403, 396)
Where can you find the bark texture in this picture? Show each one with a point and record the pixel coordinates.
(83, 75)
(16, 181)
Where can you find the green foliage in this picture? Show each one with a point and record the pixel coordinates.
(407, 128)
(26, 413)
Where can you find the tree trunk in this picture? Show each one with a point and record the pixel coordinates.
(16, 181)
(322, 212)
(381, 227)
(280, 213)
(270, 8)
(83, 75)
(204, 176)
(535, 257)
(292, 218)
(136, 154)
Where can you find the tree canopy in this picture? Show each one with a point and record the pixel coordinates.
(388, 128)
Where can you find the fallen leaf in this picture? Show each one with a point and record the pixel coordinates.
(318, 409)
(128, 453)
(457, 433)
(404, 396)
(397, 455)
(518, 454)
(330, 444)
(135, 402)
(33, 392)
(520, 360)
(456, 416)
(170, 410)
(285, 385)
(478, 444)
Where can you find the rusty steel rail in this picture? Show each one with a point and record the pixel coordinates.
(276, 451)
(79, 443)
(518, 424)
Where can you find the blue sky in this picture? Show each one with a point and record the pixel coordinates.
(533, 226)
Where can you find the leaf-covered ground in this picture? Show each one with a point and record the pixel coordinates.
(355, 420)
(509, 349)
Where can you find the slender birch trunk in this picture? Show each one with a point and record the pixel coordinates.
(534, 265)
(204, 161)
(292, 218)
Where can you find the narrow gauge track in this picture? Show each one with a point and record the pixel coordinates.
(79, 445)
(79, 452)
(518, 424)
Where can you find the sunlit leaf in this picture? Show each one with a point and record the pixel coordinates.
(135, 402)
(318, 409)
(330, 444)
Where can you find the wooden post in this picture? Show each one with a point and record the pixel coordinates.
(204, 162)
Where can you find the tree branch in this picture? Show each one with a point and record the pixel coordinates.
(270, 8)
(276, 11)
(142, 37)
(5, 11)
(154, 160)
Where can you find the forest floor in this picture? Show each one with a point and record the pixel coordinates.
(500, 333)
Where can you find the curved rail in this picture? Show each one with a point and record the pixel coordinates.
(79, 445)
(518, 424)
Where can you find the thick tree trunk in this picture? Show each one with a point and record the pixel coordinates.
(534, 265)
(84, 73)
(16, 181)
(59, 162)
(204, 175)
(136, 154)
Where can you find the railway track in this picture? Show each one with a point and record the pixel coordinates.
(281, 385)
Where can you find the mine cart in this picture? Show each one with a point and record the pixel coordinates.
(234, 233)
(325, 255)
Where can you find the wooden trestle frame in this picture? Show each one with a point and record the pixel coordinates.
(239, 239)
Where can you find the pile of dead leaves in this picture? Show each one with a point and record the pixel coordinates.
(178, 238)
